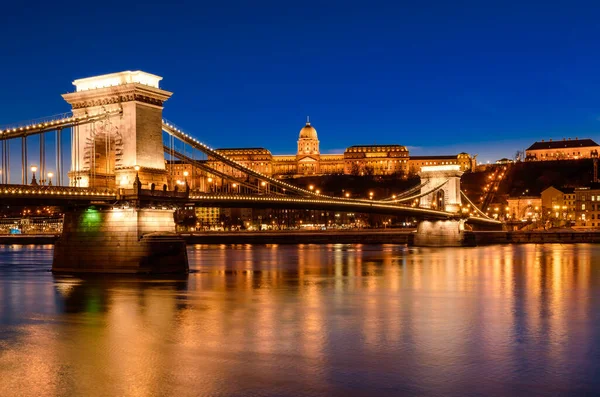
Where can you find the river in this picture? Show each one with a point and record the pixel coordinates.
(308, 320)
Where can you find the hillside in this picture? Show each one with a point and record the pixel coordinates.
(535, 176)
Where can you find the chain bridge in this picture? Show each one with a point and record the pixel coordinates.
(118, 195)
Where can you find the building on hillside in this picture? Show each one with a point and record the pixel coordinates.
(179, 172)
(375, 160)
(524, 208)
(356, 160)
(464, 160)
(558, 204)
(567, 149)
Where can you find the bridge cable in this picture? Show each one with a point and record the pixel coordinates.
(406, 193)
(474, 206)
(416, 196)
(208, 169)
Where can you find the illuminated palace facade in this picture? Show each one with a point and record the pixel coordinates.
(356, 160)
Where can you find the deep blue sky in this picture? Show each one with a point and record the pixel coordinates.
(437, 76)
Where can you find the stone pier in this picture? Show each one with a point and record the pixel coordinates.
(119, 240)
(443, 233)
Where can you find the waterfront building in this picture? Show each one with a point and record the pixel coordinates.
(567, 149)
(559, 203)
(208, 217)
(587, 206)
(524, 208)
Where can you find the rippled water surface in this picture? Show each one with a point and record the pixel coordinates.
(308, 320)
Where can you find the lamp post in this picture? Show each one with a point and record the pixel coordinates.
(209, 180)
(33, 170)
(50, 175)
(185, 175)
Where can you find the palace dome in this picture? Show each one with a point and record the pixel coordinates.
(308, 132)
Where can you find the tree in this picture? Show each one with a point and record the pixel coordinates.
(369, 171)
(519, 156)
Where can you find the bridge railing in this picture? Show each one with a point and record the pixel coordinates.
(146, 193)
(55, 190)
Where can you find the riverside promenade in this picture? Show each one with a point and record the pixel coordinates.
(363, 236)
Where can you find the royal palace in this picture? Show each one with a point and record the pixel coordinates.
(356, 160)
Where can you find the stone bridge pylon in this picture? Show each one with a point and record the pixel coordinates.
(123, 150)
(441, 192)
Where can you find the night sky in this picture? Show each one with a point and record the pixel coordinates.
(437, 76)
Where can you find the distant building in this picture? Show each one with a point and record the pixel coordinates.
(179, 172)
(567, 149)
(387, 159)
(464, 160)
(208, 217)
(559, 204)
(587, 206)
(524, 208)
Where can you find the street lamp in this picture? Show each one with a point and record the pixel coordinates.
(50, 175)
(371, 195)
(311, 187)
(347, 195)
(33, 170)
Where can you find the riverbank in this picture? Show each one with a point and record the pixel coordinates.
(365, 236)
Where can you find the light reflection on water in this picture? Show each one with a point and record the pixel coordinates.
(308, 320)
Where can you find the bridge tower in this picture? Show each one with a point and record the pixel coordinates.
(440, 233)
(124, 151)
(105, 153)
(447, 198)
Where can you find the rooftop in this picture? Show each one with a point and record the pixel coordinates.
(442, 157)
(565, 143)
(114, 79)
(241, 148)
